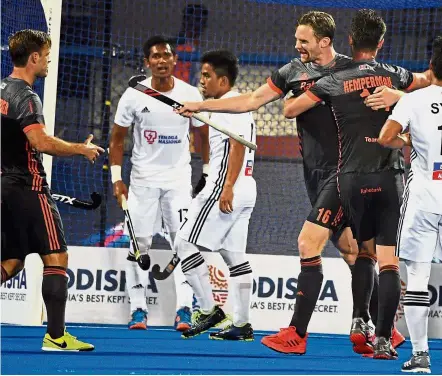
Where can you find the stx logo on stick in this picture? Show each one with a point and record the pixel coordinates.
(64, 199)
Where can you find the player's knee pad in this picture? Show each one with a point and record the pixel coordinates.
(189, 254)
(418, 275)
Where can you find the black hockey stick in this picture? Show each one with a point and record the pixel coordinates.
(135, 84)
(77, 203)
(168, 270)
(142, 260)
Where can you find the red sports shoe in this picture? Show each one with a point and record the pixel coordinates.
(287, 341)
(361, 336)
(397, 339)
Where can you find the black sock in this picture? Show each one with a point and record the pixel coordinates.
(55, 293)
(309, 287)
(374, 300)
(362, 285)
(5, 275)
(389, 295)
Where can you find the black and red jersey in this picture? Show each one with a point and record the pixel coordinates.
(21, 111)
(358, 125)
(316, 127)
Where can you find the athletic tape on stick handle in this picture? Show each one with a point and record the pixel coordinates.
(176, 105)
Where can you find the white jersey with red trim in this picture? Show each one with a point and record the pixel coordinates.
(160, 155)
(245, 186)
(421, 112)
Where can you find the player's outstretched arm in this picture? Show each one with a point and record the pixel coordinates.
(296, 106)
(116, 149)
(234, 165)
(44, 143)
(243, 103)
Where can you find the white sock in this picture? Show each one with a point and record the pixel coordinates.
(417, 308)
(417, 303)
(184, 292)
(196, 272)
(241, 283)
(136, 282)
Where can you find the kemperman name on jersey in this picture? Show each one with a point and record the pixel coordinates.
(437, 171)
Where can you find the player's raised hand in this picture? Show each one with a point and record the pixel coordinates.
(90, 150)
(189, 108)
(226, 200)
(120, 189)
(383, 97)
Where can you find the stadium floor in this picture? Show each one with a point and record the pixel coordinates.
(162, 351)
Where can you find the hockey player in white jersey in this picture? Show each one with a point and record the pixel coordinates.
(219, 215)
(160, 179)
(420, 226)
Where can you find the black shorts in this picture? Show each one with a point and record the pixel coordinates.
(31, 223)
(372, 204)
(322, 190)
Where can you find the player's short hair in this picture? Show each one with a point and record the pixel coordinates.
(367, 29)
(154, 41)
(224, 63)
(436, 58)
(322, 23)
(24, 43)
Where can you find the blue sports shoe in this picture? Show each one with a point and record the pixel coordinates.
(183, 319)
(139, 320)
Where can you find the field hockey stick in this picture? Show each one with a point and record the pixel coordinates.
(77, 203)
(142, 260)
(176, 105)
(168, 270)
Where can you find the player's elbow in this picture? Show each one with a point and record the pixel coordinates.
(385, 139)
(289, 113)
(40, 144)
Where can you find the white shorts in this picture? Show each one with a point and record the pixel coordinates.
(151, 209)
(419, 234)
(207, 226)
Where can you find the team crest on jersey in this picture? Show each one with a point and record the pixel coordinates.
(437, 171)
(150, 136)
(249, 168)
(220, 286)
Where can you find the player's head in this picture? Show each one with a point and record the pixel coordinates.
(219, 71)
(367, 31)
(436, 58)
(314, 34)
(159, 56)
(30, 49)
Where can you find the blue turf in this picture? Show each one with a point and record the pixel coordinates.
(162, 351)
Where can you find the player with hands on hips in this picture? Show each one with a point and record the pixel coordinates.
(160, 180)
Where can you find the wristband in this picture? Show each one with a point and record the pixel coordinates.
(206, 169)
(115, 173)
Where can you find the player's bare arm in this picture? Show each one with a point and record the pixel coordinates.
(296, 106)
(44, 143)
(116, 149)
(390, 135)
(243, 103)
(236, 159)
